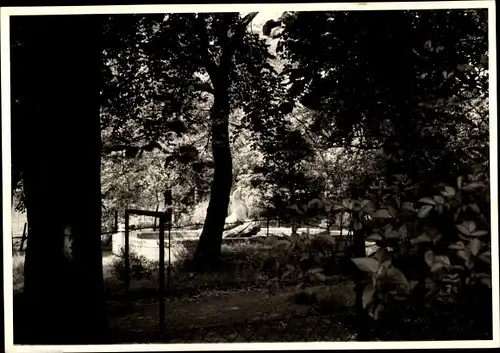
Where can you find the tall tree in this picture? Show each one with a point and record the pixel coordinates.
(56, 81)
(186, 63)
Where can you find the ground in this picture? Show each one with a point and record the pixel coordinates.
(227, 316)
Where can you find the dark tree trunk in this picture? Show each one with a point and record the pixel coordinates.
(209, 246)
(61, 170)
(208, 249)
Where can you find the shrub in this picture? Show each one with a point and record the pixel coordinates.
(179, 253)
(140, 266)
(304, 260)
(18, 272)
(432, 261)
(434, 246)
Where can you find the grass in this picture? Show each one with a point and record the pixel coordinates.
(18, 272)
(240, 267)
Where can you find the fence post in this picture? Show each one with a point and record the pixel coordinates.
(362, 318)
(161, 282)
(341, 223)
(169, 268)
(154, 222)
(169, 228)
(116, 221)
(268, 224)
(127, 251)
(23, 238)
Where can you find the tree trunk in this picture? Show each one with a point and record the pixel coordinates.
(208, 249)
(65, 297)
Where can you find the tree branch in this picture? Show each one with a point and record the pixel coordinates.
(230, 43)
(207, 60)
(134, 150)
(269, 26)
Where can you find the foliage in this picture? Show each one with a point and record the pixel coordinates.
(195, 217)
(17, 272)
(141, 181)
(132, 182)
(140, 266)
(163, 74)
(287, 185)
(430, 245)
(418, 107)
(306, 261)
(163, 82)
(426, 84)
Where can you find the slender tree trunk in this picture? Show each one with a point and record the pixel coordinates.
(208, 250)
(62, 176)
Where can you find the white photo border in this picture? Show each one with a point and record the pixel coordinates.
(5, 15)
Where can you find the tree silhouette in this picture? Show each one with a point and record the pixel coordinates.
(56, 81)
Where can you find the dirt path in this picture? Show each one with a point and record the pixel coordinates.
(216, 308)
(226, 316)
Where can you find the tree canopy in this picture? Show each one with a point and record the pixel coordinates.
(316, 104)
(307, 92)
(408, 79)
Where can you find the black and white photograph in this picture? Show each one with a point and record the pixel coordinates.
(250, 174)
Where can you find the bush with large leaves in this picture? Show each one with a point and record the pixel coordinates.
(434, 249)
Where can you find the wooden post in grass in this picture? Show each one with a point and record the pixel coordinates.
(268, 217)
(169, 229)
(161, 282)
(127, 253)
(341, 223)
(116, 221)
(154, 222)
(165, 218)
(168, 206)
(23, 238)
